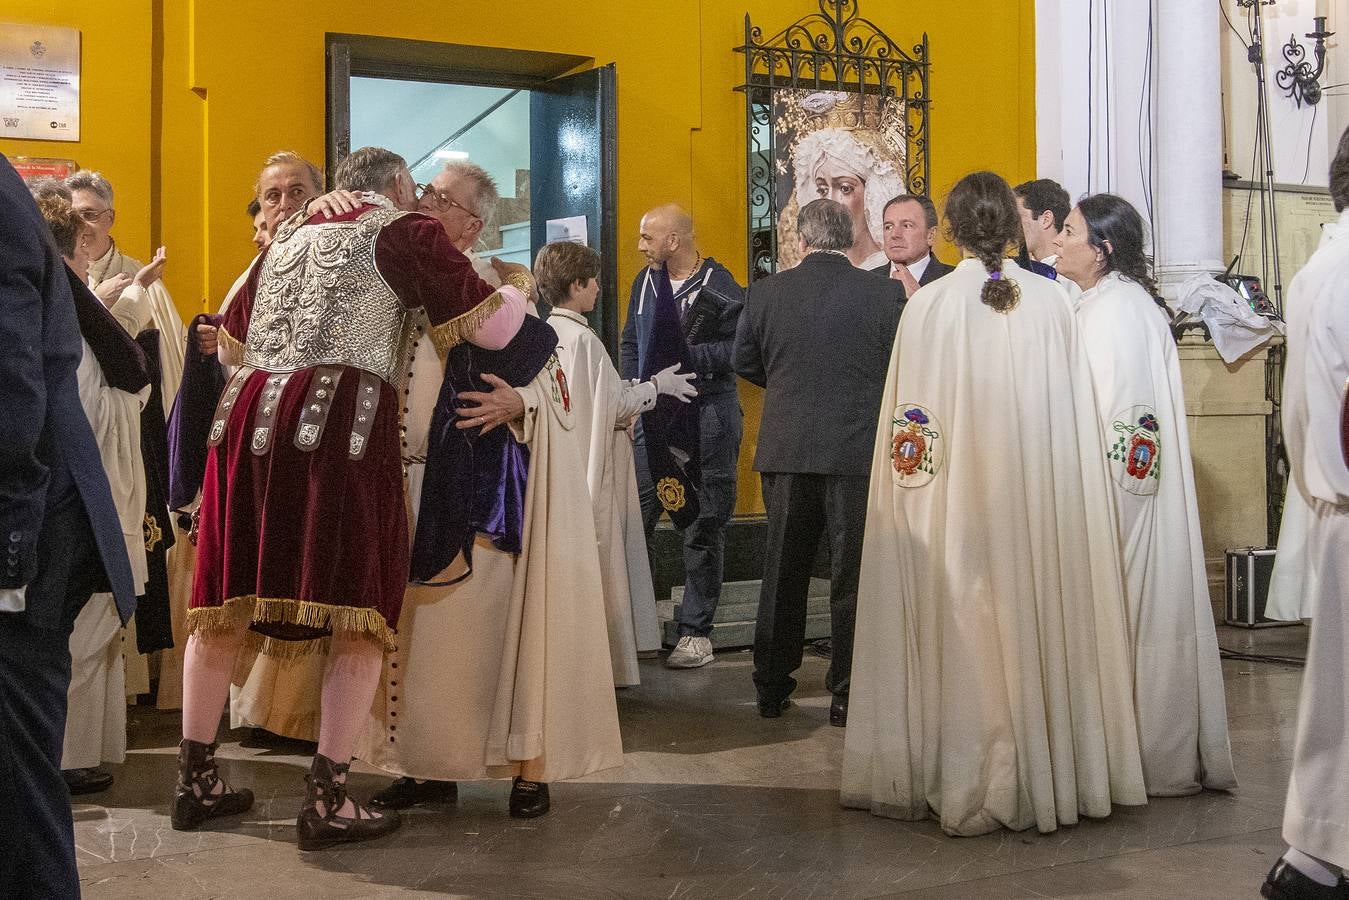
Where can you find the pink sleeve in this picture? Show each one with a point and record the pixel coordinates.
(501, 326)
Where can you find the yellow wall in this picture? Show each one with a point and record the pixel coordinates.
(234, 80)
(115, 104)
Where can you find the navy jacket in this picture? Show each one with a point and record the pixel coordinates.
(47, 448)
(818, 337)
(711, 357)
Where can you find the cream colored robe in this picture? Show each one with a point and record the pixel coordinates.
(1178, 677)
(1316, 815)
(507, 673)
(991, 678)
(96, 700)
(163, 316)
(602, 404)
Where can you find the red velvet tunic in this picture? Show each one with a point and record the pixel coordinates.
(304, 542)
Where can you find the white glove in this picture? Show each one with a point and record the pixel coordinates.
(675, 384)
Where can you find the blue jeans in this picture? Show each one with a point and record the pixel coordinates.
(720, 425)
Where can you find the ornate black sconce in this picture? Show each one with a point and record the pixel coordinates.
(1298, 79)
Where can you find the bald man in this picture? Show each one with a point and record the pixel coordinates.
(705, 286)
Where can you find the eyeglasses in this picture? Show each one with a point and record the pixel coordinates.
(93, 215)
(442, 200)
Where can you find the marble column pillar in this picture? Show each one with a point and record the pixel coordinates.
(1187, 143)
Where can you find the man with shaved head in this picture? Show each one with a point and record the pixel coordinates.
(708, 301)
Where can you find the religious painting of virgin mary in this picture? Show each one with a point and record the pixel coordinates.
(845, 146)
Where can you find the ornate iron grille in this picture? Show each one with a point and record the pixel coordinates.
(835, 49)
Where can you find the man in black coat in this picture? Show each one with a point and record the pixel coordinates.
(909, 226)
(62, 542)
(818, 339)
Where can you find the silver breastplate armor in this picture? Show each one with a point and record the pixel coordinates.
(322, 301)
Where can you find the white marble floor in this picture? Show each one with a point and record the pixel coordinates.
(712, 802)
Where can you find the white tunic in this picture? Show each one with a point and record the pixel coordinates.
(602, 405)
(1316, 816)
(991, 676)
(163, 316)
(96, 699)
(1178, 679)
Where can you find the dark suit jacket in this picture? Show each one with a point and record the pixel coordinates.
(818, 338)
(935, 269)
(47, 449)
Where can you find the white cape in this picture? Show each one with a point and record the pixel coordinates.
(1178, 678)
(990, 680)
(1316, 817)
(601, 407)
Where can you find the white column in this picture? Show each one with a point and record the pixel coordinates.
(1188, 142)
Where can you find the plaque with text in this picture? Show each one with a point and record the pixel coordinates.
(39, 82)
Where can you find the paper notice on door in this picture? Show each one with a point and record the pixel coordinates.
(572, 228)
(39, 82)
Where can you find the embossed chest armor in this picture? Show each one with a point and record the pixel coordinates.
(322, 301)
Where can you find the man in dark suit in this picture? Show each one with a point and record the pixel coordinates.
(909, 228)
(62, 542)
(818, 339)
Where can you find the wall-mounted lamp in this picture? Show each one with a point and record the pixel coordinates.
(1298, 79)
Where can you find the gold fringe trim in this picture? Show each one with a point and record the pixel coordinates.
(447, 335)
(250, 608)
(261, 644)
(229, 344)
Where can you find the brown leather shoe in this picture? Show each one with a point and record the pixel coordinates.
(317, 829)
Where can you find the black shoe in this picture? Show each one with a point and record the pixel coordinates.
(529, 799)
(407, 792)
(86, 781)
(1285, 882)
(772, 709)
(195, 798)
(838, 711)
(317, 831)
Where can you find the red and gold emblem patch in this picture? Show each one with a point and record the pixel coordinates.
(915, 449)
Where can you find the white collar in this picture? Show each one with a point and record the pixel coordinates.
(570, 314)
(375, 199)
(916, 269)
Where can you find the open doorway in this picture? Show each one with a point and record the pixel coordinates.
(541, 124)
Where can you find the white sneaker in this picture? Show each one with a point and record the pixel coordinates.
(690, 653)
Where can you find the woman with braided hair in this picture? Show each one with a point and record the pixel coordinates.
(1178, 681)
(991, 679)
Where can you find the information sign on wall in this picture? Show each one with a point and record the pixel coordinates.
(39, 82)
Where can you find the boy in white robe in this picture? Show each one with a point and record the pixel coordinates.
(1178, 679)
(603, 405)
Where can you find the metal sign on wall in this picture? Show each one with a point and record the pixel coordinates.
(39, 82)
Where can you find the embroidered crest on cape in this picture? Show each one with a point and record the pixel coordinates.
(557, 381)
(1134, 446)
(671, 494)
(917, 447)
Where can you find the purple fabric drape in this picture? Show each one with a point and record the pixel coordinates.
(673, 448)
(190, 419)
(475, 482)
